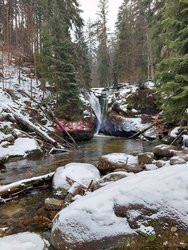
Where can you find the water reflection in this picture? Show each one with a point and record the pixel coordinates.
(88, 152)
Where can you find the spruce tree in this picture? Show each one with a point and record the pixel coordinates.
(56, 57)
(82, 60)
(172, 74)
(103, 57)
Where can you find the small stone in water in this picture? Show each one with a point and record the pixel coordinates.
(174, 229)
(54, 204)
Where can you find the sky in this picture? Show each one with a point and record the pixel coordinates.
(90, 8)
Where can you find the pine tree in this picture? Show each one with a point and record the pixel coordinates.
(132, 41)
(56, 58)
(103, 57)
(82, 60)
(91, 40)
(173, 69)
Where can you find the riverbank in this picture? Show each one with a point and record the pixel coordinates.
(29, 213)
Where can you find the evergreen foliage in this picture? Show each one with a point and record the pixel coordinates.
(172, 75)
(57, 61)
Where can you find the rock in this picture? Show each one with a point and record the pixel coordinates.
(182, 154)
(145, 158)
(9, 138)
(20, 148)
(173, 229)
(150, 167)
(112, 177)
(23, 241)
(81, 173)
(3, 160)
(177, 160)
(5, 144)
(110, 215)
(54, 204)
(163, 150)
(2, 168)
(4, 137)
(160, 163)
(115, 161)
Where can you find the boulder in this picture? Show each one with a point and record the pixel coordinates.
(115, 161)
(23, 241)
(114, 213)
(81, 173)
(177, 160)
(145, 158)
(163, 150)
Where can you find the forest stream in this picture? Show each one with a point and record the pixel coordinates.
(25, 213)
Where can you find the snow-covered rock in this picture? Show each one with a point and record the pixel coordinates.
(177, 160)
(21, 147)
(174, 132)
(23, 241)
(4, 137)
(115, 161)
(150, 167)
(103, 218)
(81, 173)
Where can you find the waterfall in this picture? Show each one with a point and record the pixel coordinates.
(185, 141)
(95, 104)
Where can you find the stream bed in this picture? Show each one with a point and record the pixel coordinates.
(28, 213)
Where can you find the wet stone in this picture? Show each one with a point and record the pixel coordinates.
(54, 204)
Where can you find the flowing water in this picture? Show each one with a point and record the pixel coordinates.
(26, 213)
(95, 105)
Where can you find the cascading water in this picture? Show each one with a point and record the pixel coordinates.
(95, 104)
(99, 104)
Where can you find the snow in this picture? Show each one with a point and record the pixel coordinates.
(174, 132)
(20, 148)
(136, 124)
(121, 158)
(149, 85)
(146, 230)
(93, 218)
(81, 173)
(3, 137)
(150, 167)
(22, 241)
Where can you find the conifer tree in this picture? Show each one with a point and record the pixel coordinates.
(82, 60)
(173, 68)
(103, 57)
(56, 58)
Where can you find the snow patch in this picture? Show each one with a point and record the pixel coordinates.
(22, 241)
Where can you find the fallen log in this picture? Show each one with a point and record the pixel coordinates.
(17, 188)
(68, 134)
(31, 127)
(142, 132)
(178, 136)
